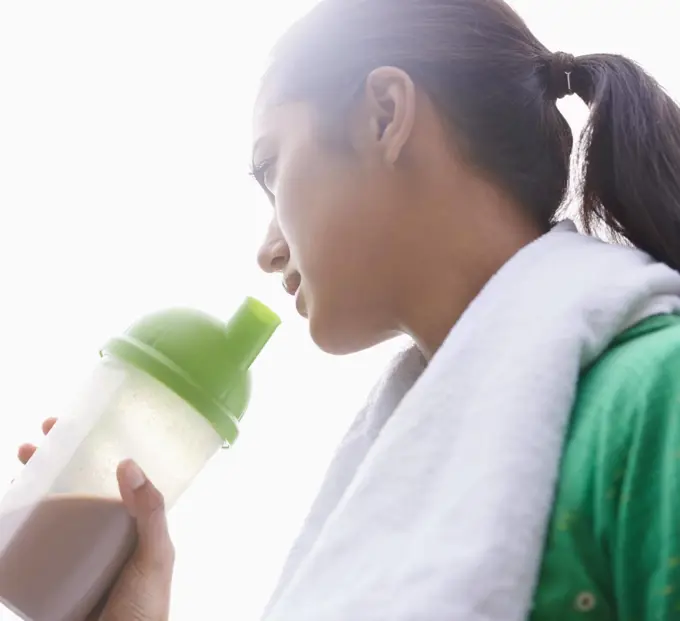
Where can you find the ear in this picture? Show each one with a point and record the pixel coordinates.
(390, 99)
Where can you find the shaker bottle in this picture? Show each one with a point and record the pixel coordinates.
(169, 394)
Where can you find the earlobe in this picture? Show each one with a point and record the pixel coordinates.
(391, 99)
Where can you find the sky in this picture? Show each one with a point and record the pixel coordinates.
(124, 150)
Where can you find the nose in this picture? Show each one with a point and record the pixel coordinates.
(274, 253)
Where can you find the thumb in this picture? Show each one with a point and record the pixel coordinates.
(145, 503)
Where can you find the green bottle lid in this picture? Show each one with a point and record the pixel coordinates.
(202, 359)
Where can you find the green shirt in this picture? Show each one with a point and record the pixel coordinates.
(613, 546)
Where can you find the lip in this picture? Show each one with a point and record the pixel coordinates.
(291, 282)
(301, 304)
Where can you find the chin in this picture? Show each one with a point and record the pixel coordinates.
(341, 339)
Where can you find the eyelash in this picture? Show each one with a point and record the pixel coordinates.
(259, 171)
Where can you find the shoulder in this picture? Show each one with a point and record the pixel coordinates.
(625, 421)
(625, 427)
(627, 398)
(640, 369)
(618, 472)
(622, 466)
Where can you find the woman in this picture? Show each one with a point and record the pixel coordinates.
(415, 160)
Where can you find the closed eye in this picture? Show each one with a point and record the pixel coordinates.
(259, 171)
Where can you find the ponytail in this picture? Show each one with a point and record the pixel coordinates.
(630, 155)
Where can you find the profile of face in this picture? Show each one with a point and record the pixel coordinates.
(392, 208)
(341, 224)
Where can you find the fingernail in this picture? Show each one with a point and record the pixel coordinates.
(134, 476)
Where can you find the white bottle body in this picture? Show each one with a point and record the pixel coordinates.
(69, 490)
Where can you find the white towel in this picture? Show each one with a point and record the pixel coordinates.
(436, 505)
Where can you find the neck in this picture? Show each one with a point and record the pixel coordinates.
(451, 269)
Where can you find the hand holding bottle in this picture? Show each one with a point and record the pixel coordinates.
(142, 591)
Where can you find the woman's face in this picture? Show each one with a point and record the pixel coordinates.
(335, 233)
(384, 228)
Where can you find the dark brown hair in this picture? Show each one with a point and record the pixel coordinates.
(496, 86)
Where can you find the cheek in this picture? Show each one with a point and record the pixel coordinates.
(317, 209)
(320, 217)
(338, 222)
(339, 242)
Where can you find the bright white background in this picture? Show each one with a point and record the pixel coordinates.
(124, 147)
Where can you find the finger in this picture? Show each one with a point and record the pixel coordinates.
(155, 551)
(48, 424)
(25, 452)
